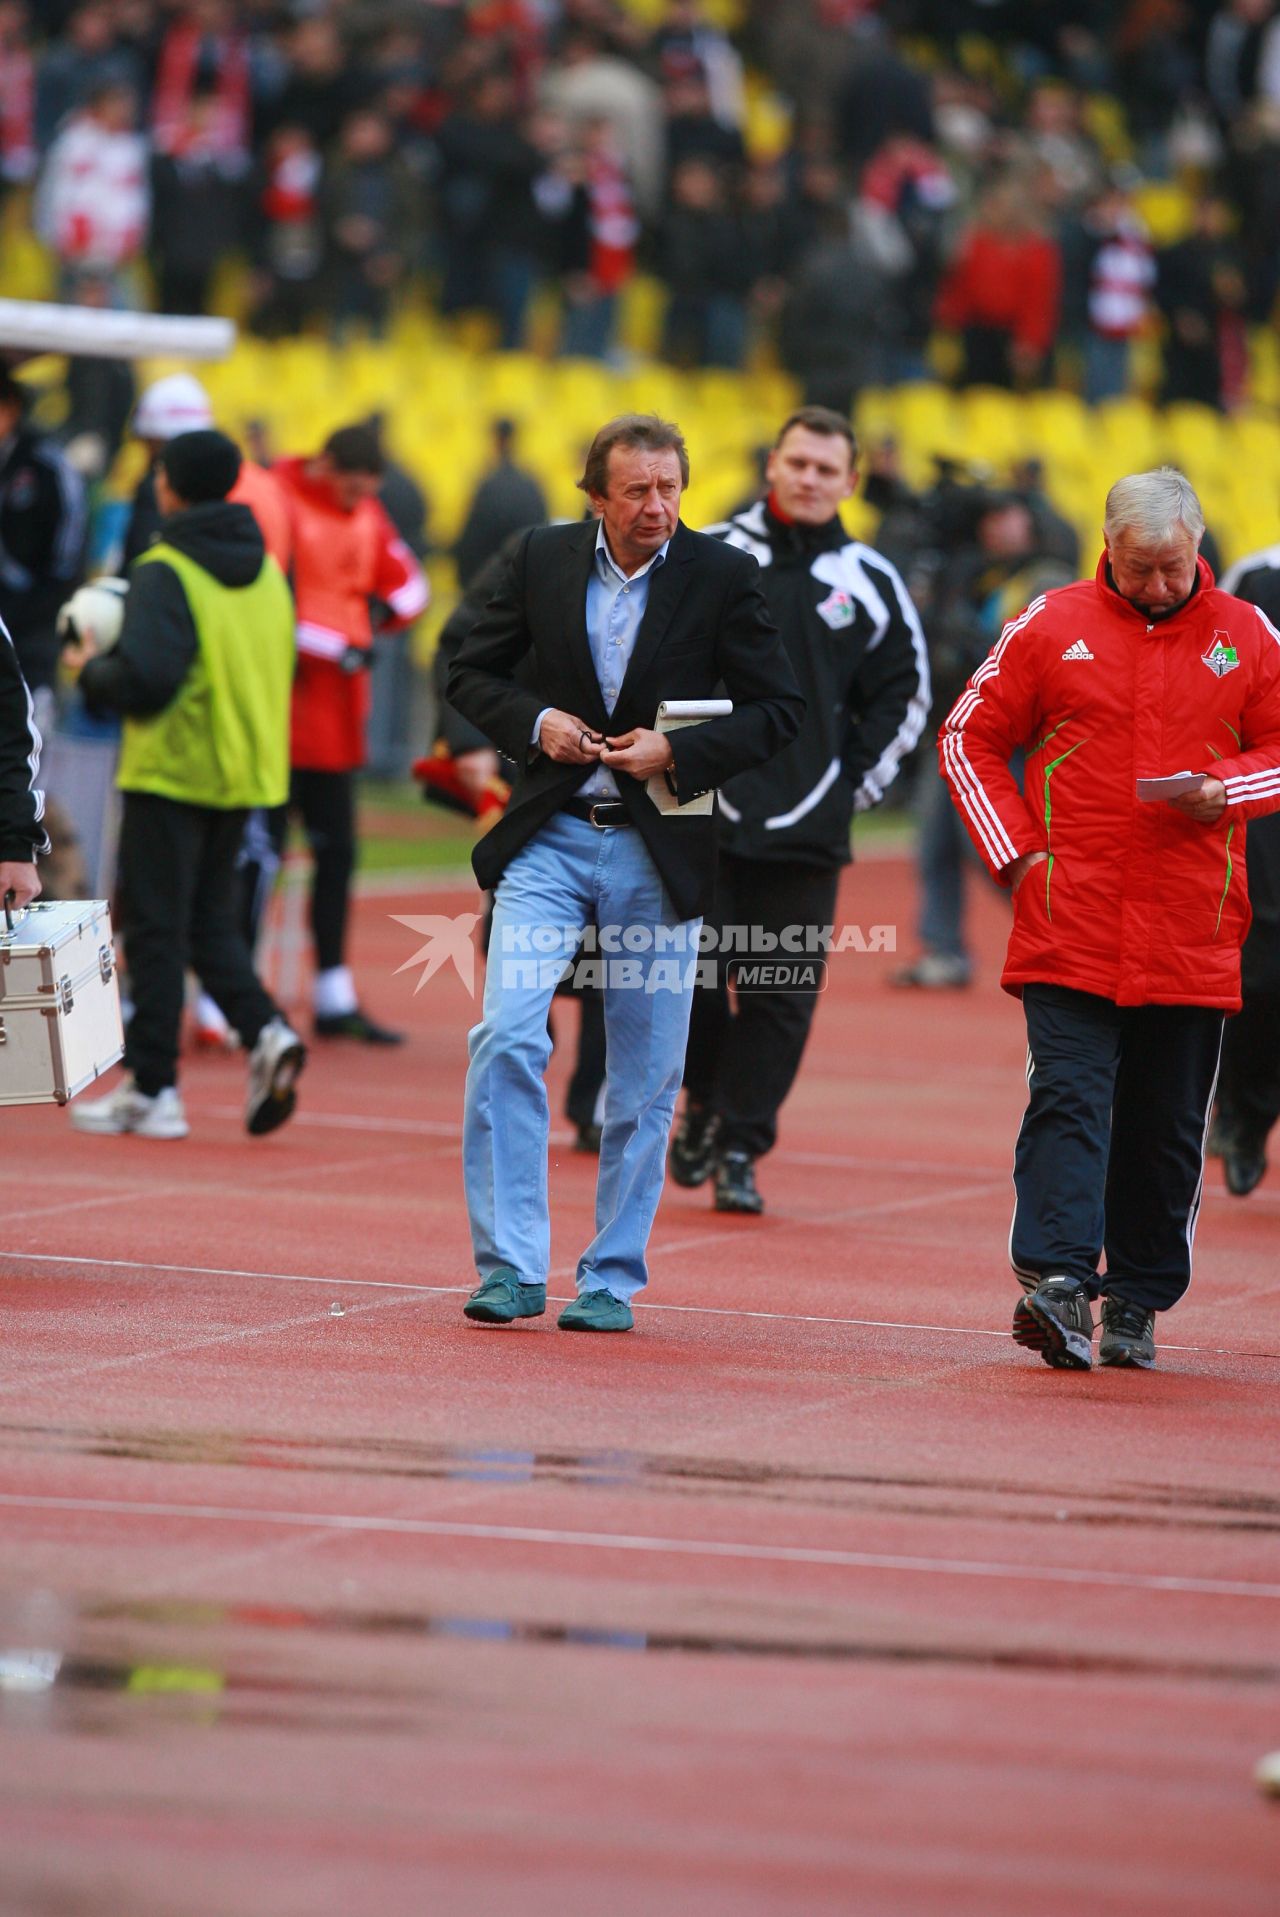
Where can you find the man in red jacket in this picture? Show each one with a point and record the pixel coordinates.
(346, 552)
(1130, 907)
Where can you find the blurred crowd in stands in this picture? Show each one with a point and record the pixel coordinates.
(832, 181)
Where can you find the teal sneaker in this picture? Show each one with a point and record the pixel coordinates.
(502, 1297)
(596, 1310)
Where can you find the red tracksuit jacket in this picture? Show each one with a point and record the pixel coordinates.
(340, 561)
(1136, 902)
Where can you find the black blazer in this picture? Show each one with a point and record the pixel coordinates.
(705, 629)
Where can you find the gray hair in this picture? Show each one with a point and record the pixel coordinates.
(1152, 505)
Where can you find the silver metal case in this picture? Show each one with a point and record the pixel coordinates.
(60, 1022)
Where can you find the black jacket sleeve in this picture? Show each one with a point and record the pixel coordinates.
(22, 836)
(458, 733)
(156, 649)
(480, 681)
(889, 701)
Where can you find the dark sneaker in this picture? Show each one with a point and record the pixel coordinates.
(596, 1310)
(1056, 1321)
(1128, 1334)
(693, 1148)
(1215, 1145)
(356, 1025)
(736, 1184)
(502, 1298)
(587, 1140)
(1244, 1164)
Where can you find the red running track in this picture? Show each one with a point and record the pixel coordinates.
(814, 1595)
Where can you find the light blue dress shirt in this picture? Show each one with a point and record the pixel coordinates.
(615, 607)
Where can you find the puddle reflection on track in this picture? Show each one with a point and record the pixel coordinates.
(1155, 1506)
(184, 1672)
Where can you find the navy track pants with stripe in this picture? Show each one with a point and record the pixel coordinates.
(1110, 1157)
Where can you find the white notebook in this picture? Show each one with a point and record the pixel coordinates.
(1172, 787)
(672, 715)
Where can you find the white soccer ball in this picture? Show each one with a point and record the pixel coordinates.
(94, 613)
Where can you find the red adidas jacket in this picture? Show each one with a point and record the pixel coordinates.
(340, 561)
(1136, 902)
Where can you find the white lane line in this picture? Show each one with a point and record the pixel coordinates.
(461, 1291)
(674, 1547)
(450, 1128)
(725, 1234)
(558, 1298)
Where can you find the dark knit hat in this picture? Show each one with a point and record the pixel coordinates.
(201, 466)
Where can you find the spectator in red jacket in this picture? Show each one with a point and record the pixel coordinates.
(346, 554)
(1002, 291)
(1129, 908)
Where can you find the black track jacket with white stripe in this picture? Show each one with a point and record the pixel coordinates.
(857, 648)
(22, 836)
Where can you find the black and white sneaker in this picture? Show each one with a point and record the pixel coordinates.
(1128, 1335)
(736, 1188)
(274, 1066)
(1056, 1321)
(693, 1148)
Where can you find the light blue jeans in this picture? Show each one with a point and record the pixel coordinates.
(572, 875)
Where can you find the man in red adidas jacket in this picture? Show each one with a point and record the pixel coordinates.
(1128, 915)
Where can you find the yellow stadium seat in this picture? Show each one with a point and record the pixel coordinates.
(1128, 435)
(1195, 441)
(995, 424)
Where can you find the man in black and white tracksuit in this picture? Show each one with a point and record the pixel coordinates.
(22, 835)
(1249, 1077)
(857, 648)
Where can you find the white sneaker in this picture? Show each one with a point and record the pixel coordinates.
(126, 1109)
(274, 1065)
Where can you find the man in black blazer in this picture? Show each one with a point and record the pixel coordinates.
(592, 626)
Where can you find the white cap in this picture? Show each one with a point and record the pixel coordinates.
(176, 404)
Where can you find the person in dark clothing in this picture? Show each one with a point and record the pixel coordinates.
(22, 835)
(693, 130)
(368, 215)
(707, 271)
(858, 652)
(285, 219)
(202, 675)
(100, 393)
(87, 54)
(506, 499)
(1249, 1079)
(197, 219)
(1201, 291)
(323, 83)
(883, 95)
(42, 536)
(835, 326)
(485, 193)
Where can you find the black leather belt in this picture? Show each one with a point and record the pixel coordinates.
(598, 812)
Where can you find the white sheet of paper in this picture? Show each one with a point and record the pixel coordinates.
(1178, 783)
(672, 715)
